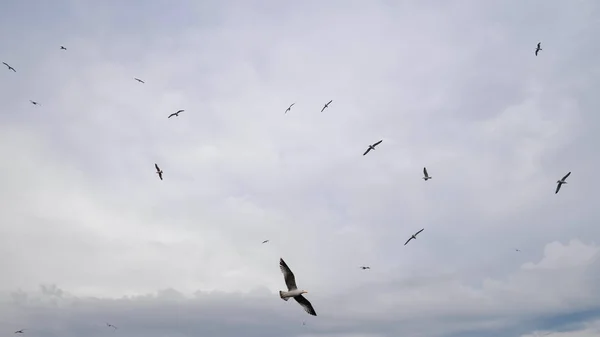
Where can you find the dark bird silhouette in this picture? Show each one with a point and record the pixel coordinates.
(326, 105)
(372, 147)
(364, 267)
(176, 114)
(111, 326)
(20, 331)
(562, 181)
(289, 108)
(517, 250)
(63, 48)
(293, 291)
(158, 171)
(34, 102)
(425, 174)
(265, 241)
(414, 236)
(9, 67)
(538, 48)
(137, 79)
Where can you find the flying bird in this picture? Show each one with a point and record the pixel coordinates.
(538, 48)
(562, 181)
(20, 331)
(34, 102)
(364, 267)
(414, 236)
(517, 250)
(137, 79)
(372, 147)
(111, 326)
(293, 291)
(425, 174)
(289, 108)
(326, 105)
(176, 114)
(9, 67)
(158, 171)
(63, 48)
(265, 241)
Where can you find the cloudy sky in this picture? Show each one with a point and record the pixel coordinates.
(89, 234)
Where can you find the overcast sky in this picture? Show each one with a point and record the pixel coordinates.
(89, 234)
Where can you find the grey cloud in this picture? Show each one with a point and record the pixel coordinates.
(451, 86)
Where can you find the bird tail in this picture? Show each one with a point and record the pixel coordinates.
(281, 295)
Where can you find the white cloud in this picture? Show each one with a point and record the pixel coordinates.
(454, 87)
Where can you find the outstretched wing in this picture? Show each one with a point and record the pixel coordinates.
(539, 45)
(369, 149)
(536, 51)
(407, 241)
(566, 176)
(305, 304)
(425, 172)
(558, 188)
(323, 108)
(379, 142)
(288, 276)
(329, 102)
(417, 233)
(171, 115)
(157, 168)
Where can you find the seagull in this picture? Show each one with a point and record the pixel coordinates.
(137, 79)
(372, 147)
(289, 108)
(34, 102)
(517, 250)
(111, 326)
(538, 48)
(158, 171)
(364, 267)
(20, 331)
(176, 114)
(265, 241)
(293, 291)
(326, 105)
(425, 175)
(63, 48)
(9, 67)
(562, 181)
(414, 236)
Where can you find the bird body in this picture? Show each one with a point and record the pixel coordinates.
(63, 48)
(20, 331)
(425, 174)
(372, 147)
(137, 79)
(34, 102)
(364, 267)
(265, 241)
(293, 291)
(414, 236)
(289, 108)
(326, 105)
(561, 182)
(9, 67)
(176, 114)
(538, 48)
(158, 171)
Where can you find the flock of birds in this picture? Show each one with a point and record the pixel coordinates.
(288, 275)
